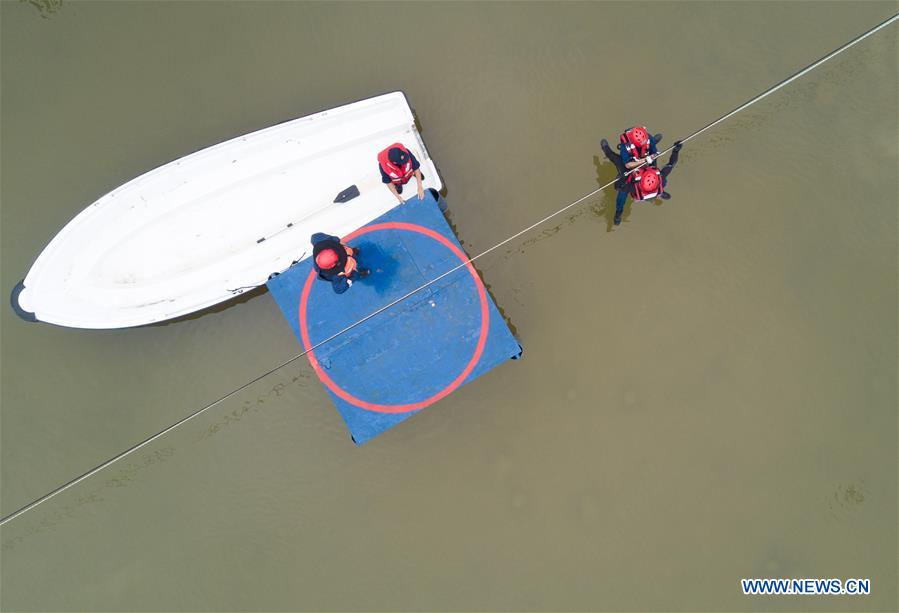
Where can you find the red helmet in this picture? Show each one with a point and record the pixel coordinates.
(649, 182)
(640, 136)
(327, 259)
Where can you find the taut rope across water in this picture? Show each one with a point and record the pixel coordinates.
(237, 390)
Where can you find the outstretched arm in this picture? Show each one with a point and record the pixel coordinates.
(393, 191)
(634, 163)
(386, 180)
(672, 161)
(421, 188)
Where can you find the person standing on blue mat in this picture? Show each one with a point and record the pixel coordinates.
(647, 183)
(398, 166)
(335, 262)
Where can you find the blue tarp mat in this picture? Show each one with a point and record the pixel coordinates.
(414, 353)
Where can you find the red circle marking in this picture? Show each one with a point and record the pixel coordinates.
(414, 406)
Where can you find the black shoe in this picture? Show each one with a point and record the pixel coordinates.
(399, 188)
(657, 138)
(665, 196)
(617, 220)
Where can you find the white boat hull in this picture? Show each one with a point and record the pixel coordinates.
(216, 223)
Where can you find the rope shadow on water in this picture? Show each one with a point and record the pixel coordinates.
(136, 470)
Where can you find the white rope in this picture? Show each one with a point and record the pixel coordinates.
(152, 438)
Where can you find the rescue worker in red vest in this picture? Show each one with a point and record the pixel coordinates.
(645, 183)
(635, 146)
(398, 166)
(336, 262)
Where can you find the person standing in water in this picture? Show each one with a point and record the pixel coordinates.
(647, 182)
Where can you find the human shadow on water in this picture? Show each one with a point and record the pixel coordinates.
(605, 208)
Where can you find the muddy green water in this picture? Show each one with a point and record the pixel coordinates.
(709, 391)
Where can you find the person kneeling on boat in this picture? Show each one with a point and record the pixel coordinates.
(336, 262)
(398, 166)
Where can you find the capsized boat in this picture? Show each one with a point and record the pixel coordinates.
(216, 223)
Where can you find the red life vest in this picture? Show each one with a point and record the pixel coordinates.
(636, 182)
(632, 144)
(399, 175)
(350, 262)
